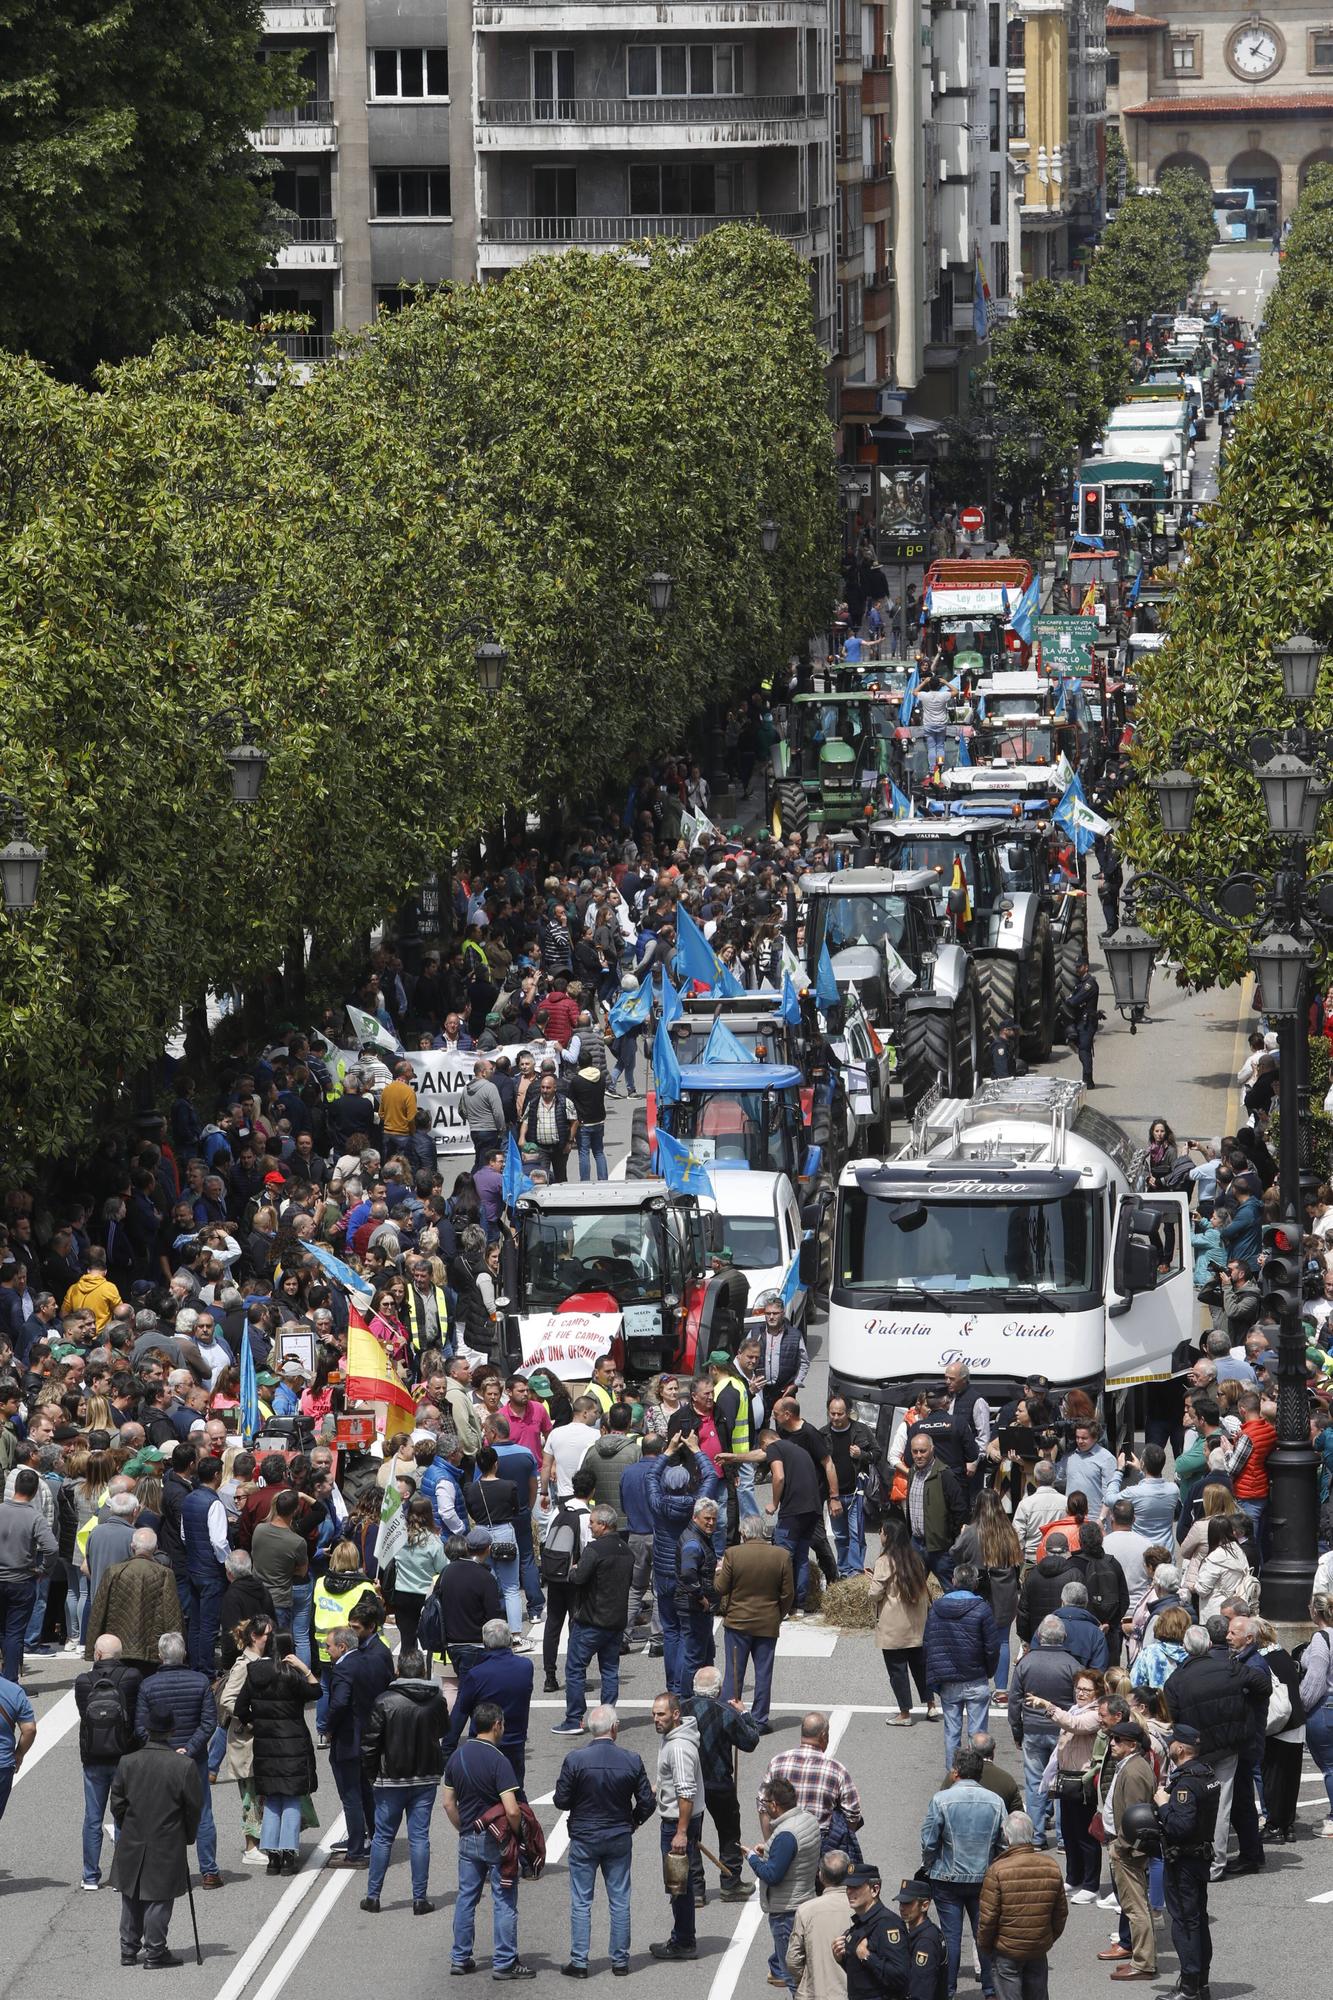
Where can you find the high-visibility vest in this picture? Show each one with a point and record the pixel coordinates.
(740, 1430)
(331, 1606)
(415, 1318)
(602, 1395)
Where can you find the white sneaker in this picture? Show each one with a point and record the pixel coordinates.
(73, 1645)
(1084, 1896)
(90, 1885)
(254, 1857)
(1110, 1901)
(521, 1645)
(1326, 1830)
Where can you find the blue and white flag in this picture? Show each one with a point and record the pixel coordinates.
(791, 1002)
(683, 1171)
(1029, 604)
(908, 702)
(723, 1047)
(826, 986)
(672, 1004)
(514, 1182)
(902, 805)
(249, 1391)
(666, 1069)
(632, 1010)
(1078, 819)
(791, 1283)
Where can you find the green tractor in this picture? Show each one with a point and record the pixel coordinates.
(839, 755)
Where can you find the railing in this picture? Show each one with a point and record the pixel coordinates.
(846, 45)
(307, 228)
(302, 346)
(624, 228)
(640, 110)
(308, 117)
(878, 59)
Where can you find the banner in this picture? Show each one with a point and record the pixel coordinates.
(440, 1077)
(1066, 643)
(569, 1342)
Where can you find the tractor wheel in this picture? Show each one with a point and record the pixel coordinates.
(1071, 950)
(639, 1165)
(1040, 1000)
(791, 808)
(999, 990)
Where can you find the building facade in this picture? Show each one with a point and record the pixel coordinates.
(1243, 98)
(1057, 130)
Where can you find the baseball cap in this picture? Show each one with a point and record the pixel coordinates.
(275, 1180)
(266, 1381)
(478, 1539)
(719, 1358)
(1057, 1545)
(293, 1369)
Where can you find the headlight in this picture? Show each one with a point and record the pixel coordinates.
(866, 1413)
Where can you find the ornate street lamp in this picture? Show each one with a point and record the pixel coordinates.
(1285, 782)
(1130, 956)
(768, 537)
(490, 659)
(20, 862)
(660, 586)
(1300, 658)
(1177, 793)
(1279, 962)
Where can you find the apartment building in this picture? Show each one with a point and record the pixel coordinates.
(1057, 130)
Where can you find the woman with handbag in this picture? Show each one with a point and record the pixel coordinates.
(901, 1591)
(989, 1544)
(415, 1569)
(1073, 1783)
(1284, 1740)
(493, 1503)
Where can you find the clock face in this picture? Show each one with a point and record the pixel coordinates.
(1254, 50)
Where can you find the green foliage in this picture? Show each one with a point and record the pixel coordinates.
(1156, 249)
(1119, 171)
(1261, 566)
(129, 197)
(210, 532)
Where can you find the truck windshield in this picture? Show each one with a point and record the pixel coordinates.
(850, 920)
(971, 1246)
(937, 854)
(569, 1250)
(736, 1125)
(753, 1241)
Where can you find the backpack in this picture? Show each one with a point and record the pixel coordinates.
(106, 1733)
(430, 1626)
(558, 1561)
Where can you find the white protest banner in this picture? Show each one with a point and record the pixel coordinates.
(440, 1078)
(568, 1341)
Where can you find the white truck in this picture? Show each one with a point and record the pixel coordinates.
(1009, 1233)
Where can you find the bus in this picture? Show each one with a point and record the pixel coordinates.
(1234, 214)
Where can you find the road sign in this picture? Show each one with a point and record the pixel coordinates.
(973, 519)
(1066, 643)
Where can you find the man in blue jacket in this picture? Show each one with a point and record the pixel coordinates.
(501, 1676)
(605, 1791)
(1084, 1637)
(960, 1837)
(962, 1643)
(343, 1728)
(676, 1481)
(636, 1502)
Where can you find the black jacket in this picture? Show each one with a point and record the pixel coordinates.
(696, 1567)
(883, 1974)
(403, 1742)
(1108, 1593)
(602, 1582)
(1040, 1595)
(156, 1800)
(604, 1789)
(126, 1680)
(1215, 1694)
(243, 1599)
(272, 1700)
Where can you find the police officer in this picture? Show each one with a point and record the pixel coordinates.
(1081, 1007)
(927, 1970)
(1112, 883)
(873, 1951)
(1187, 1813)
(1003, 1050)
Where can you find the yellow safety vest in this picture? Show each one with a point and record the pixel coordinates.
(332, 1605)
(740, 1430)
(603, 1396)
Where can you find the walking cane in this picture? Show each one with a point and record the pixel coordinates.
(194, 1921)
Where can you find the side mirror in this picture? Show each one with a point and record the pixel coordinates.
(712, 1229)
(1015, 858)
(807, 1267)
(1139, 1251)
(957, 902)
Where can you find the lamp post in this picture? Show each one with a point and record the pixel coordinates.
(245, 760)
(20, 861)
(1285, 914)
(769, 536)
(660, 586)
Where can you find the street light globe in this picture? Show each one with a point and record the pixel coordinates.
(20, 874)
(1316, 799)
(1285, 782)
(490, 659)
(1279, 963)
(659, 592)
(1300, 658)
(1130, 956)
(989, 392)
(248, 764)
(1177, 793)
(1036, 446)
(768, 536)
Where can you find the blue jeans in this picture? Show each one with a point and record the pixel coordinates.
(505, 1571)
(1037, 1747)
(627, 1056)
(849, 1540)
(528, 1573)
(951, 1900)
(937, 747)
(391, 1802)
(206, 1840)
(585, 1641)
(592, 1151)
(1002, 1664)
(6, 1787)
(76, 1602)
(794, 1536)
(939, 1562)
(611, 1853)
(16, 1602)
(741, 1649)
(37, 1619)
(664, 1596)
(303, 1611)
(957, 1697)
(217, 1748)
(697, 1647)
(347, 1778)
(1257, 1511)
(280, 1832)
(202, 1615)
(96, 1791)
(780, 1924)
(745, 1500)
(1319, 1737)
(478, 1858)
(682, 1907)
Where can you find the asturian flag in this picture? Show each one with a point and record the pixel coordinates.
(371, 1032)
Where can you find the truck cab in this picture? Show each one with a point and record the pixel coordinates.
(972, 602)
(841, 748)
(1011, 1233)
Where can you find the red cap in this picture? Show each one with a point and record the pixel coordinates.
(275, 1180)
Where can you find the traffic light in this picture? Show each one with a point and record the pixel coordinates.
(1090, 510)
(1281, 1270)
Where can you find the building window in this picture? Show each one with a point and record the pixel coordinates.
(1321, 51)
(1018, 117)
(396, 298)
(996, 198)
(1000, 269)
(1113, 72)
(994, 56)
(1184, 55)
(421, 193)
(669, 187)
(555, 191)
(994, 120)
(400, 73)
(684, 69)
(1016, 54)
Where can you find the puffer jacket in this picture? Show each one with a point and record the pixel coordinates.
(1212, 1693)
(402, 1743)
(962, 1640)
(673, 1509)
(1040, 1595)
(696, 1589)
(607, 1462)
(1023, 1904)
(272, 1700)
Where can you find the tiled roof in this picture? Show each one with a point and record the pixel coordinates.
(1124, 21)
(1234, 104)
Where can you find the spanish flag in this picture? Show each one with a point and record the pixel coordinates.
(1088, 608)
(960, 882)
(370, 1377)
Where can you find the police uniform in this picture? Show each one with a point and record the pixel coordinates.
(884, 1972)
(1081, 1007)
(1187, 1821)
(927, 1969)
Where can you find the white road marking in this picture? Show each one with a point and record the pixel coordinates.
(306, 1933)
(734, 1957)
(280, 1915)
(51, 1727)
(1327, 1897)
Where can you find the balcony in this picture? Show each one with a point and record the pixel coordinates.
(643, 16)
(304, 128)
(289, 18)
(506, 240)
(309, 243)
(847, 45)
(614, 124)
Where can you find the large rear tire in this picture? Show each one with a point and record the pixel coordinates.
(791, 808)
(944, 1044)
(1040, 999)
(1071, 951)
(639, 1165)
(999, 990)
